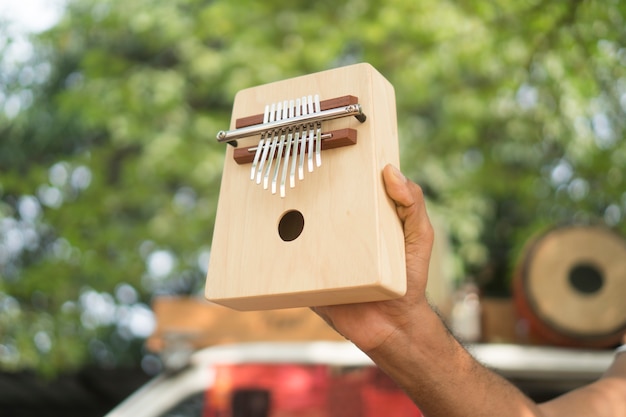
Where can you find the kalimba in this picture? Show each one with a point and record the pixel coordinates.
(303, 218)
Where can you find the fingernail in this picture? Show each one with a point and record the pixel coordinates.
(398, 174)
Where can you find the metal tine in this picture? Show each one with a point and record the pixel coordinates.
(259, 148)
(305, 111)
(270, 158)
(283, 179)
(266, 146)
(296, 142)
(318, 133)
(281, 145)
(311, 135)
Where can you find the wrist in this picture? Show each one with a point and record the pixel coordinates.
(421, 335)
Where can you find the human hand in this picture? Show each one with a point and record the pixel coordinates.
(369, 325)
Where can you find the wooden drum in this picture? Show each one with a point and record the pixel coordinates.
(571, 287)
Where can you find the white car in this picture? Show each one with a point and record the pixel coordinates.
(332, 378)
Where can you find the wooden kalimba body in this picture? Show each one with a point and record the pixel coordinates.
(303, 218)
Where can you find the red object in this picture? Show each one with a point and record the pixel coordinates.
(292, 390)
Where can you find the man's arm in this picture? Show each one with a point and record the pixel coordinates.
(604, 397)
(408, 341)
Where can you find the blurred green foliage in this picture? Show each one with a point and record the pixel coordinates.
(511, 117)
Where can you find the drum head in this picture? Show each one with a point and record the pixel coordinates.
(573, 286)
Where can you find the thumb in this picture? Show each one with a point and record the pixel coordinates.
(397, 186)
(411, 208)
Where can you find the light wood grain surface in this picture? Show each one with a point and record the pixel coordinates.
(351, 248)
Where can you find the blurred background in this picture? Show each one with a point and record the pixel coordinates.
(511, 117)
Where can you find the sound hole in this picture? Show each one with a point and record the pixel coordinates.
(586, 279)
(291, 225)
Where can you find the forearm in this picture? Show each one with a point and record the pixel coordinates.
(442, 378)
(603, 398)
(618, 367)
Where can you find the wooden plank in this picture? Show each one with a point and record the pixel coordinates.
(197, 323)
